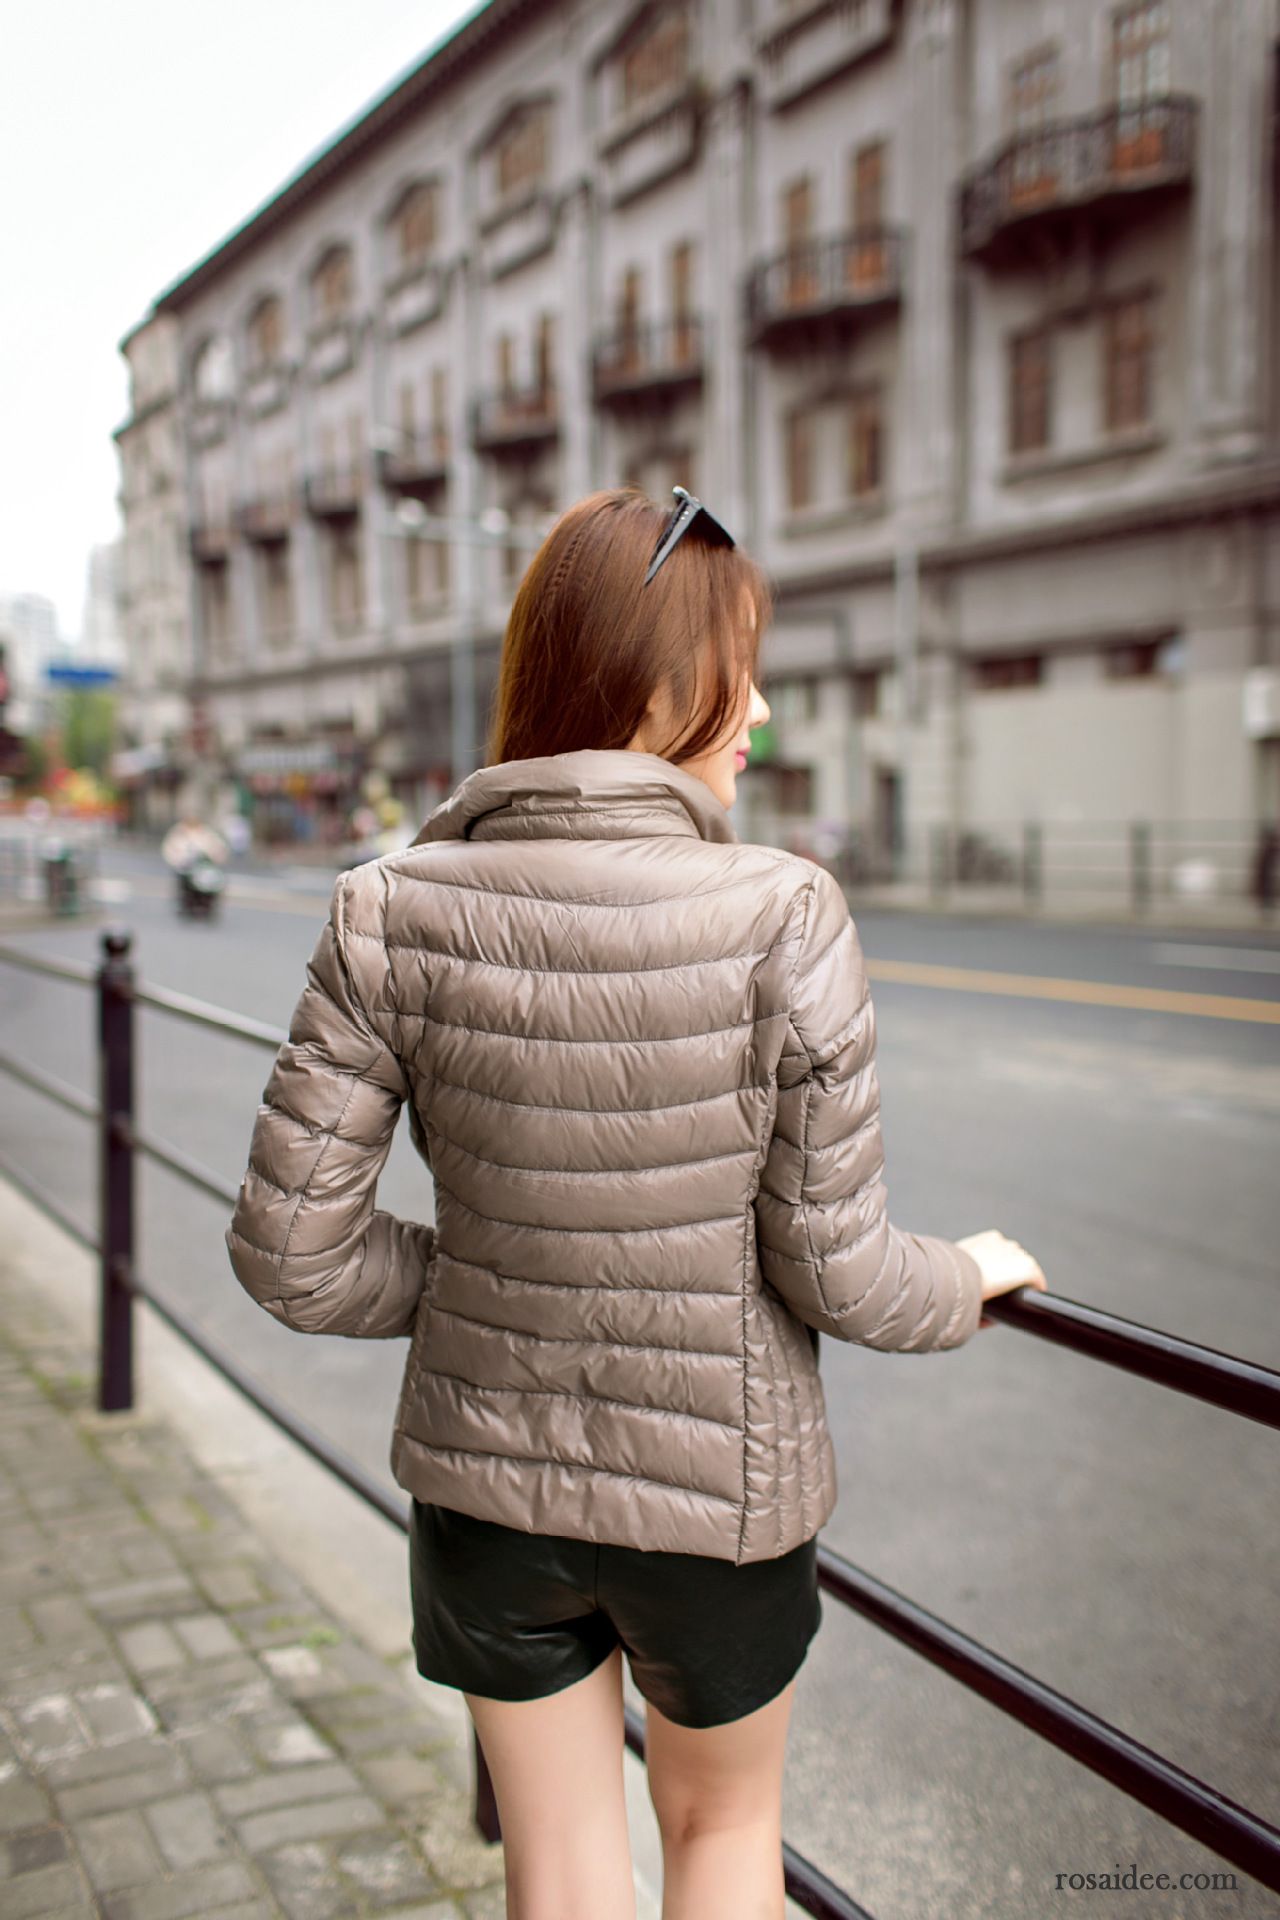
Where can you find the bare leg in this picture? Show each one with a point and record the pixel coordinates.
(717, 1792)
(557, 1775)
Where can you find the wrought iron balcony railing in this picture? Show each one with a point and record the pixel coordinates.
(1096, 159)
(655, 358)
(824, 282)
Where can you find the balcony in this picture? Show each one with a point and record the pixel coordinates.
(815, 289)
(331, 348)
(1031, 195)
(266, 389)
(422, 460)
(643, 363)
(416, 296)
(266, 520)
(808, 43)
(515, 419)
(333, 494)
(209, 541)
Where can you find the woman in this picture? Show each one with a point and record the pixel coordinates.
(639, 1060)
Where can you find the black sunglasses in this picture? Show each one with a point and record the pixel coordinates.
(687, 513)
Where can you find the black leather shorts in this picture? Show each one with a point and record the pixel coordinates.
(510, 1615)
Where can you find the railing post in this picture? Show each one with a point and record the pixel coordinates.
(1139, 864)
(1032, 862)
(115, 1171)
(486, 1807)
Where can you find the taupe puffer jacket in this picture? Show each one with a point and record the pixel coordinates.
(639, 1057)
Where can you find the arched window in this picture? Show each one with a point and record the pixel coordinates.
(333, 286)
(212, 371)
(414, 225)
(524, 150)
(658, 58)
(266, 332)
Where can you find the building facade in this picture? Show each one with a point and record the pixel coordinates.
(958, 312)
(153, 584)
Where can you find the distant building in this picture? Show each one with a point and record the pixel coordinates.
(961, 313)
(31, 641)
(101, 634)
(153, 583)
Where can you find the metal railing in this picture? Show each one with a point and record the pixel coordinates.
(1223, 1380)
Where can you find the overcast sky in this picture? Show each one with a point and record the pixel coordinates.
(136, 134)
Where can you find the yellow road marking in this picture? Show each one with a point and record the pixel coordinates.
(1097, 993)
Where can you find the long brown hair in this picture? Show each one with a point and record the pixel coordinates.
(587, 644)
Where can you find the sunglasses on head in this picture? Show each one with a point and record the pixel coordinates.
(687, 513)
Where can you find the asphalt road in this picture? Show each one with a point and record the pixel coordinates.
(1111, 1537)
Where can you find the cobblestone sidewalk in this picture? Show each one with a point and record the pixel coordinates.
(184, 1729)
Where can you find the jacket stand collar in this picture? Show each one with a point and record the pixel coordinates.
(591, 794)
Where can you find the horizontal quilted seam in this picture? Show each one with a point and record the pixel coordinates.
(583, 1395)
(526, 1226)
(569, 1466)
(598, 1173)
(528, 1106)
(586, 1286)
(581, 1340)
(610, 1040)
(588, 973)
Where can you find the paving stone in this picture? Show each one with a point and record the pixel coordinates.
(201, 1892)
(152, 1647)
(117, 1851)
(385, 1868)
(102, 1763)
(231, 1587)
(400, 1775)
(188, 1830)
(126, 1790)
(455, 1850)
(131, 1600)
(43, 1891)
(308, 1885)
(113, 1713)
(48, 1728)
(206, 1636)
(63, 1616)
(313, 1820)
(37, 1847)
(285, 1789)
(214, 1753)
(290, 1743)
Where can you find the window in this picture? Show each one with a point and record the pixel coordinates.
(415, 225)
(629, 301)
(212, 373)
(1140, 61)
(504, 355)
(544, 379)
(523, 151)
(683, 335)
(1131, 661)
(1033, 103)
(794, 700)
(275, 598)
(866, 251)
(866, 693)
(333, 285)
(266, 333)
(1029, 390)
(797, 226)
(800, 461)
(1140, 52)
(1007, 670)
(1128, 355)
(659, 60)
(215, 610)
(346, 587)
(864, 474)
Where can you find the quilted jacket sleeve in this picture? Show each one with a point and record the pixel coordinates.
(825, 1240)
(305, 1239)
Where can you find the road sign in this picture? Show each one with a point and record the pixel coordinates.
(71, 676)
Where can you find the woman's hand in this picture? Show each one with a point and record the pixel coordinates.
(1005, 1264)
